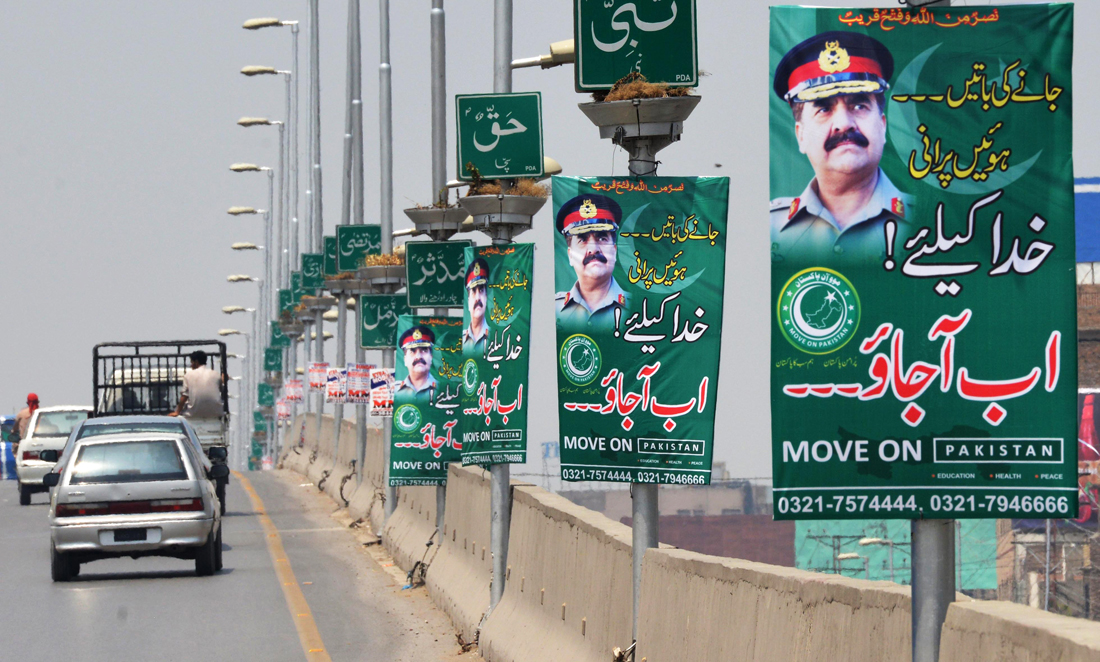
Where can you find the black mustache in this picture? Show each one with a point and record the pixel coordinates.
(420, 362)
(478, 304)
(852, 135)
(592, 257)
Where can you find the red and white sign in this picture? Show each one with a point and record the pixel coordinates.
(318, 374)
(282, 409)
(381, 392)
(337, 391)
(294, 390)
(359, 385)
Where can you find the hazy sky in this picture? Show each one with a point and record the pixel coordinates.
(117, 120)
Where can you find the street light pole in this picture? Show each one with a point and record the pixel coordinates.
(315, 126)
(439, 164)
(358, 219)
(385, 120)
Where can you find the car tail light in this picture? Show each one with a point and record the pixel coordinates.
(30, 455)
(128, 507)
(80, 509)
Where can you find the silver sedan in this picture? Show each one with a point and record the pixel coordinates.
(134, 494)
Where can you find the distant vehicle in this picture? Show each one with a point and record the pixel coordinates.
(7, 456)
(146, 378)
(134, 494)
(48, 430)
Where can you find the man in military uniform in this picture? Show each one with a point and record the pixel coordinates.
(836, 83)
(590, 225)
(473, 336)
(416, 345)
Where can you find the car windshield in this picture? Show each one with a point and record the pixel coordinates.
(118, 428)
(128, 462)
(57, 423)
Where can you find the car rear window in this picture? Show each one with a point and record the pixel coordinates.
(118, 428)
(57, 423)
(128, 462)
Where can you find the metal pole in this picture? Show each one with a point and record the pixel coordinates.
(320, 347)
(385, 201)
(500, 489)
(645, 518)
(338, 409)
(439, 101)
(933, 551)
(439, 164)
(295, 128)
(315, 106)
(272, 284)
(308, 350)
(284, 179)
(357, 219)
(279, 282)
(891, 560)
(1046, 590)
(345, 191)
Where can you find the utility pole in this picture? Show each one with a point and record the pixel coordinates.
(385, 199)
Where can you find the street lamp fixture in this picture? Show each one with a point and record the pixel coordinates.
(561, 52)
(851, 556)
(229, 310)
(248, 167)
(234, 355)
(258, 71)
(237, 211)
(239, 278)
(313, 335)
(244, 246)
(331, 316)
(257, 121)
(228, 332)
(864, 542)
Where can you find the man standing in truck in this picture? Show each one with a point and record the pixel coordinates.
(202, 394)
(23, 421)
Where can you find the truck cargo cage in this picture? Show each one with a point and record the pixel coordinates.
(146, 378)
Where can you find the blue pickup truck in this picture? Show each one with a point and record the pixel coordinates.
(7, 459)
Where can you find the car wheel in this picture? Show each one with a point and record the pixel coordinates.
(219, 490)
(218, 551)
(205, 556)
(61, 566)
(24, 495)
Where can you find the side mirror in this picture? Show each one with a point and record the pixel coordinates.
(51, 479)
(218, 471)
(218, 453)
(48, 456)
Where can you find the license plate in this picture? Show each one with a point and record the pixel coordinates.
(130, 535)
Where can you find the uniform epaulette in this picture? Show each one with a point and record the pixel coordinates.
(781, 203)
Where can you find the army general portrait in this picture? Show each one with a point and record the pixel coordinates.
(590, 225)
(835, 84)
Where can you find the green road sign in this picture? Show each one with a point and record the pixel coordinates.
(501, 134)
(617, 37)
(354, 242)
(296, 289)
(259, 426)
(313, 271)
(911, 376)
(273, 359)
(286, 300)
(378, 315)
(330, 269)
(434, 271)
(265, 397)
(258, 417)
(278, 338)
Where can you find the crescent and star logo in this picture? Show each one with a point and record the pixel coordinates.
(818, 310)
(407, 418)
(469, 376)
(580, 359)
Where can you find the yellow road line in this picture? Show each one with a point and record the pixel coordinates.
(308, 634)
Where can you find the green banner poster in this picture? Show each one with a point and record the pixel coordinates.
(273, 359)
(278, 338)
(434, 273)
(354, 242)
(923, 309)
(496, 338)
(329, 265)
(378, 315)
(265, 395)
(259, 424)
(313, 271)
(639, 271)
(427, 382)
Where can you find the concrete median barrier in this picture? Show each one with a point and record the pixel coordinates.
(988, 631)
(569, 591)
(411, 526)
(711, 609)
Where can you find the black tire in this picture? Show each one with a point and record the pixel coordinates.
(62, 567)
(25, 494)
(218, 551)
(205, 556)
(219, 490)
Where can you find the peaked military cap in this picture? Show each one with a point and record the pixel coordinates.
(589, 213)
(833, 63)
(477, 273)
(418, 336)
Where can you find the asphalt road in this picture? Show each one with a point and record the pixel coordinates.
(157, 609)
